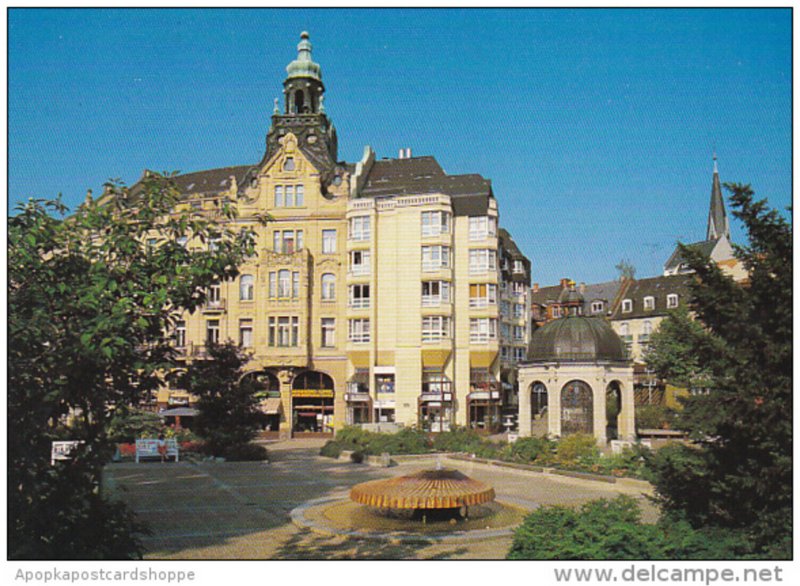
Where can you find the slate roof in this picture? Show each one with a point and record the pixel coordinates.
(656, 287)
(576, 339)
(423, 175)
(717, 219)
(606, 292)
(211, 181)
(705, 247)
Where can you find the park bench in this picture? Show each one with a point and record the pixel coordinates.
(148, 448)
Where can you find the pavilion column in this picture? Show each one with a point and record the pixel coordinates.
(554, 408)
(626, 421)
(599, 418)
(524, 407)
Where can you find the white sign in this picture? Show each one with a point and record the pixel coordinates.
(63, 450)
(148, 448)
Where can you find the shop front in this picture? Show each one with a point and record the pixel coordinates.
(435, 403)
(484, 402)
(312, 404)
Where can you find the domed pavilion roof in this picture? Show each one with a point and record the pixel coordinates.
(577, 339)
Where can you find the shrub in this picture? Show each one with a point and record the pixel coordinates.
(630, 462)
(578, 449)
(654, 416)
(245, 453)
(331, 449)
(458, 439)
(530, 449)
(357, 457)
(129, 424)
(405, 441)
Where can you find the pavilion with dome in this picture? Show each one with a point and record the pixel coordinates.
(577, 379)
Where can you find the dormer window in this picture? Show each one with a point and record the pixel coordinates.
(597, 306)
(649, 302)
(627, 305)
(288, 164)
(672, 301)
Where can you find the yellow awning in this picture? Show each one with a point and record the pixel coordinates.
(434, 358)
(385, 358)
(359, 359)
(482, 358)
(162, 396)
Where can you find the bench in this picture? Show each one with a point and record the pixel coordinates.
(148, 448)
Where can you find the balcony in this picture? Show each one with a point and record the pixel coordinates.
(214, 306)
(359, 303)
(360, 270)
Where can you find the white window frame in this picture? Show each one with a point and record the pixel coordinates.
(328, 332)
(649, 303)
(328, 287)
(672, 301)
(627, 305)
(482, 227)
(360, 229)
(482, 260)
(490, 297)
(365, 266)
(247, 288)
(597, 306)
(438, 293)
(435, 223)
(246, 333)
(435, 328)
(360, 301)
(482, 330)
(435, 258)
(329, 241)
(212, 331)
(180, 333)
(358, 331)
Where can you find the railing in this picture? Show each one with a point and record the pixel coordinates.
(360, 303)
(214, 305)
(359, 270)
(478, 302)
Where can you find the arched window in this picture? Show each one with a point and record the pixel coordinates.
(328, 287)
(299, 102)
(246, 287)
(576, 408)
(538, 398)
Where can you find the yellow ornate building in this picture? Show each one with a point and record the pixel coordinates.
(382, 293)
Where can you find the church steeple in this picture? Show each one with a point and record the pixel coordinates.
(717, 219)
(304, 111)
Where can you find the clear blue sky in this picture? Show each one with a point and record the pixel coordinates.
(596, 127)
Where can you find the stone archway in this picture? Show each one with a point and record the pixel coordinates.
(577, 408)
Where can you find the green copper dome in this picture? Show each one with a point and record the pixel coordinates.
(577, 339)
(304, 66)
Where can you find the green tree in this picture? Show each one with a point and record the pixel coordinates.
(625, 269)
(738, 475)
(90, 298)
(229, 417)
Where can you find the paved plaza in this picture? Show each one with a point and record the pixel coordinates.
(241, 510)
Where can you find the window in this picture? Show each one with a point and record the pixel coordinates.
(289, 196)
(328, 287)
(482, 295)
(482, 260)
(435, 258)
(384, 383)
(597, 306)
(435, 328)
(328, 332)
(359, 330)
(246, 333)
(212, 331)
(627, 305)
(359, 296)
(435, 382)
(505, 331)
(624, 331)
(360, 262)
(519, 267)
(328, 241)
(246, 287)
(556, 311)
(435, 223)
(284, 284)
(360, 228)
(284, 331)
(505, 309)
(482, 329)
(213, 297)
(672, 301)
(435, 293)
(288, 164)
(183, 241)
(519, 333)
(482, 227)
(287, 241)
(180, 334)
(519, 310)
(519, 354)
(649, 302)
(647, 329)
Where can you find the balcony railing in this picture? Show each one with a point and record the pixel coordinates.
(214, 306)
(359, 303)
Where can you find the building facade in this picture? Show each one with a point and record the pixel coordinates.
(382, 292)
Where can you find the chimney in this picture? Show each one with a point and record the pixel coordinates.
(400, 154)
(408, 153)
(564, 283)
(582, 288)
(536, 287)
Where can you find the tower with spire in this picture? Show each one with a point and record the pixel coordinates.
(304, 111)
(717, 218)
(717, 245)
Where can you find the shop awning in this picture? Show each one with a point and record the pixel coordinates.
(179, 412)
(271, 406)
(482, 358)
(435, 358)
(359, 359)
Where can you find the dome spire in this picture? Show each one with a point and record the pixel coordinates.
(304, 65)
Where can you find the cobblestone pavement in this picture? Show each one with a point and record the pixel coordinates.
(240, 510)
